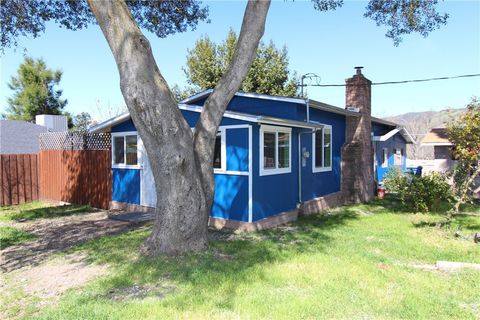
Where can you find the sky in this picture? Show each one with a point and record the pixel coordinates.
(329, 44)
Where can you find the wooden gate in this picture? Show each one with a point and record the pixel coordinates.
(76, 168)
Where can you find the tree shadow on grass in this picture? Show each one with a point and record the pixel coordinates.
(20, 214)
(232, 258)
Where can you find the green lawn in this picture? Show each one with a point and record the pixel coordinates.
(358, 262)
(10, 236)
(37, 210)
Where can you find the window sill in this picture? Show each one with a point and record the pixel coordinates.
(326, 169)
(269, 172)
(232, 173)
(127, 166)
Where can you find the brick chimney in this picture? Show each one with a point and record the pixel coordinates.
(357, 152)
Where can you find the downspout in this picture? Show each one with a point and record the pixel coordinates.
(300, 165)
(307, 103)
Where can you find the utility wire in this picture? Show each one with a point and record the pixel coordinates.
(398, 82)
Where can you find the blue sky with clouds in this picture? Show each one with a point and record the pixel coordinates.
(329, 44)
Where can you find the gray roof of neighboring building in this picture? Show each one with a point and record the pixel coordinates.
(19, 137)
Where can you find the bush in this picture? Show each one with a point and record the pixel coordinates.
(418, 193)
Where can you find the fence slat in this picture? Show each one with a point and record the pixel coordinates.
(17, 178)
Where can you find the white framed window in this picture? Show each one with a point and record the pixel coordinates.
(275, 150)
(322, 149)
(385, 158)
(220, 152)
(398, 156)
(125, 150)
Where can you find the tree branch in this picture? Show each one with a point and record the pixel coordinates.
(253, 27)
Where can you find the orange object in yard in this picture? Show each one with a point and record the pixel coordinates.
(380, 192)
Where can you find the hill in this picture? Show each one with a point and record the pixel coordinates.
(419, 123)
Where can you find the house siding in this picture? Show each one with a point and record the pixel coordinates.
(126, 185)
(396, 142)
(322, 183)
(231, 193)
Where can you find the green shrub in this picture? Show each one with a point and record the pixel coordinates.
(418, 193)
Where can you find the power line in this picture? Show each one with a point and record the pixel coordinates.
(399, 82)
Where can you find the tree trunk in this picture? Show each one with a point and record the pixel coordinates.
(181, 162)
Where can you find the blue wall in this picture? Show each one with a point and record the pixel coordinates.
(231, 193)
(322, 183)
(264, 107)
(126, 185)
(396, 142)
(274, 194)
(231, 197)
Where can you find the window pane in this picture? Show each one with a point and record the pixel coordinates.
(217, 153)
(119, 156)
(385, 157)
(327, 147)
(283, 150)
(318, 148)
(269, 150)
(131, 150)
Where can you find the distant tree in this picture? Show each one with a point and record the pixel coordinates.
(82, 121)
(464, 133)
(269, 74)
(35, 91)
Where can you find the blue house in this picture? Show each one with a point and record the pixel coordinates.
(272, 154)
(389, 146)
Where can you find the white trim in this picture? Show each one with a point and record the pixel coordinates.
(110, 122)
(232, 173)
(123, 165)
(269, 97)
(385, 161)
(197, 96)
(223, 151)
(236, 126)
(439, 144)
(387, 136)
(288, 123)
(250, 175)
(228, 114)
(316, 169)
(247, 95)
(276, 130)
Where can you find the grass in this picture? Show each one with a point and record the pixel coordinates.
(38, 210)
(10, 236)
(354, 263)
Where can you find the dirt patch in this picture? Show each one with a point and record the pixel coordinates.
(53, 279)
(42, 285)
(56, 235)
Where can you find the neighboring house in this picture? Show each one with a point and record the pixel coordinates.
(443, 158)
(389, 144)
(272, 154)
(21, 137)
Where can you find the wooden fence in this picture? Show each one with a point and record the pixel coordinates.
(18, 178)
(76, 176)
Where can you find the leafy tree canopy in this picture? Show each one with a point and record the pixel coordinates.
(28, 17)
(82, 121)
(35, 91)
(464, 133)
(269, 73)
